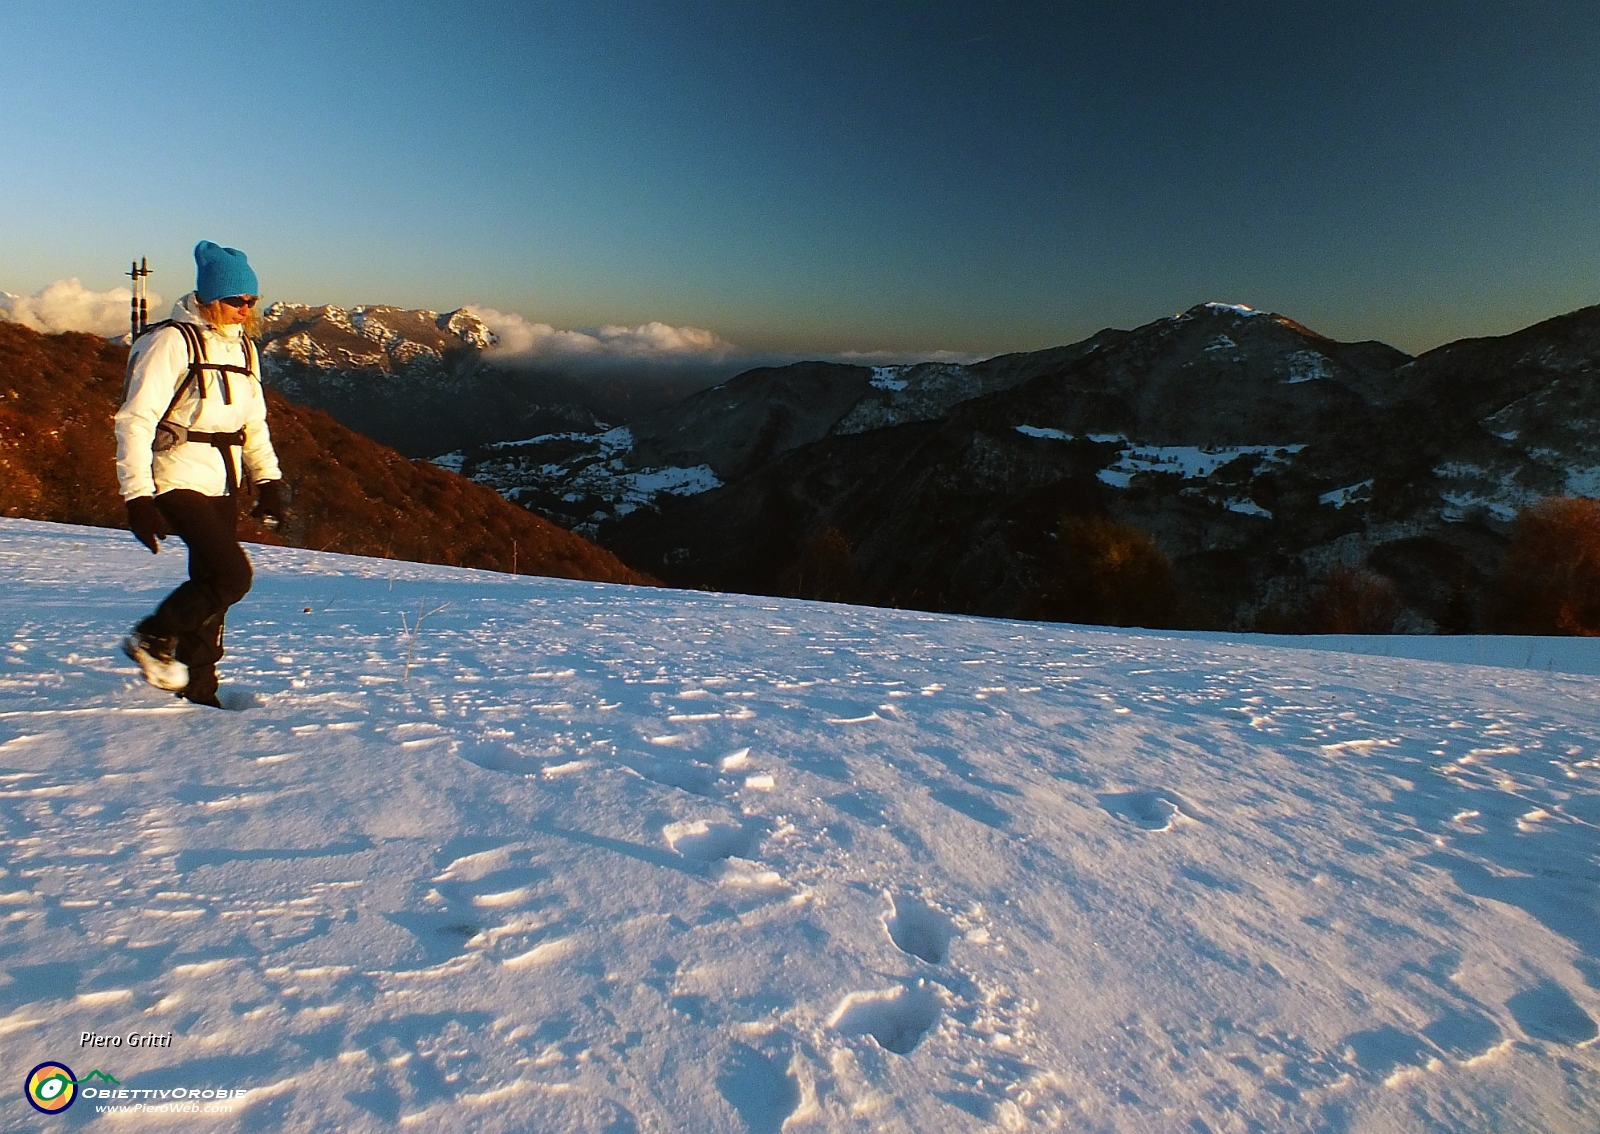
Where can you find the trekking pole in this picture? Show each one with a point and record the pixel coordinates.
(138, 305)
(133, 302)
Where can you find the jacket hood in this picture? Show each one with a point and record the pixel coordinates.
(187, 310)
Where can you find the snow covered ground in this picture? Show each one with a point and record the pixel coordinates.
(1190, 462)
(613, 859)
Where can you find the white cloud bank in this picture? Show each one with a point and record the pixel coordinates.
(521, 338)
(67, 305)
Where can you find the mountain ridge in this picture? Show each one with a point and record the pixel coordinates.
(1259, 455)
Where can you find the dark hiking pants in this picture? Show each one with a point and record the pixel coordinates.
(219, 576)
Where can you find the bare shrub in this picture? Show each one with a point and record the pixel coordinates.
(1107, 574)
(825, 569)
(1354, 600)
(1550, 580)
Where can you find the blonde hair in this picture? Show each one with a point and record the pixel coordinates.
(212, 313)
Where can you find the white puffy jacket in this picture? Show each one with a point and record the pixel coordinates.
(158, 364)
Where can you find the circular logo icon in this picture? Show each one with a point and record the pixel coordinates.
(51, 1087)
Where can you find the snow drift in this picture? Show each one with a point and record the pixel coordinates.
(483, 852)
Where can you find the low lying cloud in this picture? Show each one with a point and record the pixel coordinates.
(523, 340)
(67, 305)
(903, 358)
(664, 346)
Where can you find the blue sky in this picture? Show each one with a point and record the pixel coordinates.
(819, 177)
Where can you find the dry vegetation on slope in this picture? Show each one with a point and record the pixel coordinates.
(58, 462)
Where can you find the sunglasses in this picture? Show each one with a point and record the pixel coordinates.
(242, 301)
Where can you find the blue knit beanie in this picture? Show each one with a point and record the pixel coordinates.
(222, 271)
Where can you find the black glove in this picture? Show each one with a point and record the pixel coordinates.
(271, 506)
(147, 523)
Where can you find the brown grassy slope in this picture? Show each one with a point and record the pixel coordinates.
(58, 462)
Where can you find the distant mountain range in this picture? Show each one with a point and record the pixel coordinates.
(1259, 456)
(423, 382)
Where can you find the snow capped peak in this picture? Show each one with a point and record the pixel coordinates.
(1213, 309)
(470, 329)
(369, 324)
(337, 317)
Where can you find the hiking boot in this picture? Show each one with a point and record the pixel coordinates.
(155, 659)
(202, 687)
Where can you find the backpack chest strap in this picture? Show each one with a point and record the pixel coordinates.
(195, 340)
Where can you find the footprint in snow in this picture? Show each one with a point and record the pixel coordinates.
(917, 928)
(687, 775)
(495, 757)
(1382, 1051)
(1463, 1035)
(483, 887)
(898, 1018)
(1153, 810)
(238, 700)
(705, 841)
(759, 1088)
(1548, 1012)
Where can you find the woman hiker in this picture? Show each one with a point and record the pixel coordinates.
(192, 428)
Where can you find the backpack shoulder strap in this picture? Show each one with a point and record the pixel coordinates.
(192, 336)
(127, 379)
(196, 342)
(196, 348)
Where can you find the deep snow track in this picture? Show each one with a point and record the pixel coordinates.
(612, 859)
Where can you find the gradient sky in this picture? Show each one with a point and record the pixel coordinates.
(824, 176)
